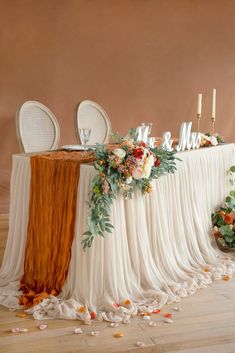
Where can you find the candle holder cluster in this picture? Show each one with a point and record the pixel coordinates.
(199, 110)
(198, 123)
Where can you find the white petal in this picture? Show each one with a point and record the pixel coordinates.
(94, 333)
(140, 344)
(15, 330)
(168, 321)
(23, 330)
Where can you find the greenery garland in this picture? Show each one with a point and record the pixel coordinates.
(131, 164)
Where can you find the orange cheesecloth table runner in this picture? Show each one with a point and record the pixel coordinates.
(52, 215)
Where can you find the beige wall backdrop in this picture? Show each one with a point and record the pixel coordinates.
(142, 60)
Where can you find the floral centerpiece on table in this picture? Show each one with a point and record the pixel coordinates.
(209, 139)
(223, 219)
(122, 168)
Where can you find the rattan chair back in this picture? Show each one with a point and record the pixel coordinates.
(91, 115)
(37, 127)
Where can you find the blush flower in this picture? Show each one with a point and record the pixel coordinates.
(105, 187)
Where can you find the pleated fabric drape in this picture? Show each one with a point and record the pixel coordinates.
(52, 215)
(160, 251)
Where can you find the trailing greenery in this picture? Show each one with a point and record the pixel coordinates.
(131, 165)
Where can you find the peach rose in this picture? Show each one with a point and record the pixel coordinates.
(228, 218)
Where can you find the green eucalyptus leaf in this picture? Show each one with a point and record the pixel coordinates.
(232, 169)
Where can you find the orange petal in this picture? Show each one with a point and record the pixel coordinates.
(82, 309)
(169, 315)
(21, 315)
(206, 269)
(226, 278)
(118, 334)
(156, 311)
(93, 315)
(144, 314)
(127, 302)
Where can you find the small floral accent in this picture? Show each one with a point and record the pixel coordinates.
(209, 139)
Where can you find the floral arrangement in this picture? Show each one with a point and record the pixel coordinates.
(209, 139)
(223, 220)
(123, 168)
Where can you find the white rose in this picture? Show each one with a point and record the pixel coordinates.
(150, 161)
(119, 152)
(129, 180)
(213, 140)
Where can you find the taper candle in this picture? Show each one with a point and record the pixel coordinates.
(213, 103)
(199, 104)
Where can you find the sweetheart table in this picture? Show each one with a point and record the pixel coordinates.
(161, 248)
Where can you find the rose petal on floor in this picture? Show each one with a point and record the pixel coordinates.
(140, 344)
(114, 324)
(42, 326)
(168, 321)
(156, 311)
(94, 333)
(21, 315)
(169, 315)
(78, 330)
(152, 323)
(15, 330)
(118, 334)
(23, 330)
(146, 317)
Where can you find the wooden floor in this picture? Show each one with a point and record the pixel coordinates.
(206, 324)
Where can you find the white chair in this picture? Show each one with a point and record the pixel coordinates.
(90, 115)
(36, 127)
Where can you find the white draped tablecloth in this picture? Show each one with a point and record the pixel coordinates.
(161, 249)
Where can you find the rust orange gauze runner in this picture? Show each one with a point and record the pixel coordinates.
(52, 214)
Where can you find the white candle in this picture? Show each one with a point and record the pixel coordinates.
(213, 103)
(199, 104)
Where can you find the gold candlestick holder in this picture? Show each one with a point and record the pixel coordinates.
(213, 124)
(198, 122)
